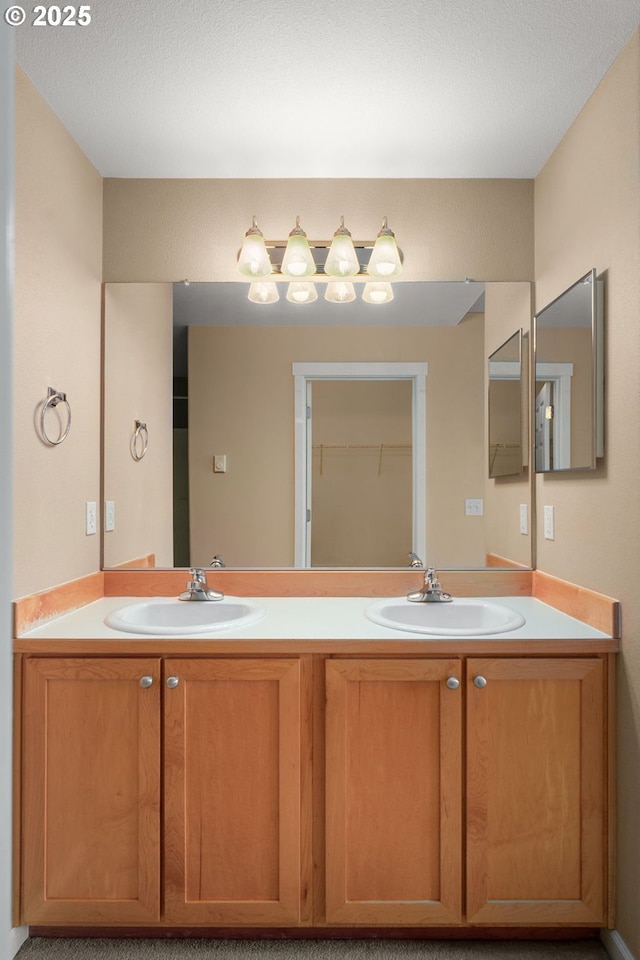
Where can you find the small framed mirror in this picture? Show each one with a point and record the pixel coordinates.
(569, 379)
(505, 409)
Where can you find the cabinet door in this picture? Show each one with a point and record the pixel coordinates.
(535, 791)
(393, 758)
(91, 791)
(232, 791)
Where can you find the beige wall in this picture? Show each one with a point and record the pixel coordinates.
(160, 230)
(508, 309)
(241, 405)
(587, 212)
(58, 264)
(138, 350)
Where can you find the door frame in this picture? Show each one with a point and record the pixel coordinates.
(303, 374)
(559, 375)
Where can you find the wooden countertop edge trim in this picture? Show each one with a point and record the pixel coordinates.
(387, 648)
(595, 609)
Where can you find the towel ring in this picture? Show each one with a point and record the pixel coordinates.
(54, 397)
(139, 440)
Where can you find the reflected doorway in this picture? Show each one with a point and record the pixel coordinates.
(360, 464)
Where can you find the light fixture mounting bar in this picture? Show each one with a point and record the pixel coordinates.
(320, 250)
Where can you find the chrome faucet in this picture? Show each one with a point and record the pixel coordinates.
(415, 560)
(197, 588)
(431, 592)
(218, 561)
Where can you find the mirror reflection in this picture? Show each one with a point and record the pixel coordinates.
(218, 479)
(505, 408)
(569, 379)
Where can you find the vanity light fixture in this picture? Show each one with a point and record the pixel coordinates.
(298, 260)
(338, 262)
(340, 291)
(385, 260)
(376, 292)
(253, 259)
(342, 260)
(300, 292)
(264, 291)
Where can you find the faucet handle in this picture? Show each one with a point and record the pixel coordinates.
(198, 575)
(431, 578)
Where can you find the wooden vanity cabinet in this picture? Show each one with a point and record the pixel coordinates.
(455, 791)
(91, 791)
(234, 736)
(536, 791)
(394, 792)
(533, 783)
(236, 752)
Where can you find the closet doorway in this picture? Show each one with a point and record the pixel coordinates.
(360, 464)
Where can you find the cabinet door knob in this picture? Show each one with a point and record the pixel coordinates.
(172, 682)
(453, 683)
(146, 682)
(479, 682)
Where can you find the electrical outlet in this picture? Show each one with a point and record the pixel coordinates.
(91, 518)
(473, 507)
(109, 516)
(524, 518)
(549, 524)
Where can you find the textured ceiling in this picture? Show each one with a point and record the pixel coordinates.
(333, 88)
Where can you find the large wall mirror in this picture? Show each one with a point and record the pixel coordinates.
(569, 372)
(211, 377)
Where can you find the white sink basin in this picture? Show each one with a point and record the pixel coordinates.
(171, 617)
(461, 617)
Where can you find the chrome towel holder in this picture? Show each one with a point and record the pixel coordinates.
(54, 397)
(139, 440)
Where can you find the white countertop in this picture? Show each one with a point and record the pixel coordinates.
(315, 618)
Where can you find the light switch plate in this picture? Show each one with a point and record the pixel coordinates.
(473, 507)
(220, 463)
(91, 518)
(549, 523)
(524, 518)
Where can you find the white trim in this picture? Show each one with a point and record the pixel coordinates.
(551, 371)
(11, 939)
(17, 937)
(305, 372)
(300, 470)
(615, 945)
(505, 369)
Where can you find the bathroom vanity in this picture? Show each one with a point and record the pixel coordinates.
(314, 769)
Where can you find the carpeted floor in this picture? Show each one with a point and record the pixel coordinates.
(42, 948)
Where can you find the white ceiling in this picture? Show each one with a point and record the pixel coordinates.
(330, 88)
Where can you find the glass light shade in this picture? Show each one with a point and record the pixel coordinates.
(377, 292)
(385, 260)
(302, 293)
(340, 292)
(298, 260)
(264, 292)
(342, 260)
(253, 259)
